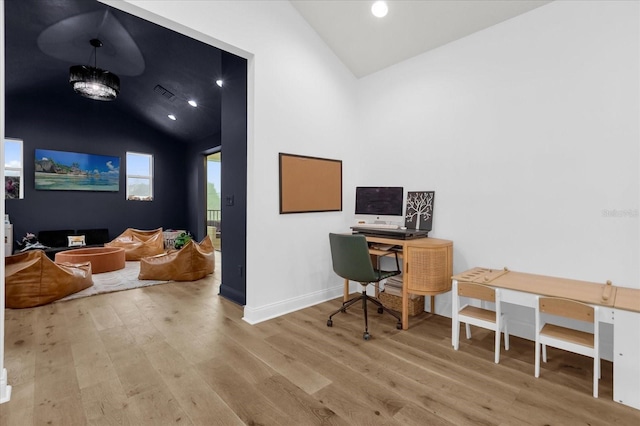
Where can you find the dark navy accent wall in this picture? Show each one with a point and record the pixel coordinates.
(233, 199)
(94, 127)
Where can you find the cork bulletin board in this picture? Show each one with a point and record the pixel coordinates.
(310, 184)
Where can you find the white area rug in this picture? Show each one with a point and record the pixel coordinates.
(107, 282)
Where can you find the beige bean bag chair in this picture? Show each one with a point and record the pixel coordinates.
(32, 279)
(139, 243)
(190, 263)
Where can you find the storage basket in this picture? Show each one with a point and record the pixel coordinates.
(170, 238)
(416, 304)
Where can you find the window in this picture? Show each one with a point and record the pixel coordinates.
(139, 176)
(13, 173)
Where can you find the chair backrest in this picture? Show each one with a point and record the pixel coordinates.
(477, 291)
(566, 308)
(351, 259)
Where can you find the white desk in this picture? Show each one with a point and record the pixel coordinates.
(619, 306)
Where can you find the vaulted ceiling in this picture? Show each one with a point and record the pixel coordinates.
(45, 38)
(367, 44)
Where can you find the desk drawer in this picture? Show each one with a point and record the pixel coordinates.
(518, 297)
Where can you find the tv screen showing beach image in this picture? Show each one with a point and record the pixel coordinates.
(73, 171)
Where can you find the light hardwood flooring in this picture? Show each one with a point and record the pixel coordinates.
(179, 354)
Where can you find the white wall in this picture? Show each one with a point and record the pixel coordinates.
(528, 133)
(303, 102)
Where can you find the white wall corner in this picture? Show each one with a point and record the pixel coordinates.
(5, 389)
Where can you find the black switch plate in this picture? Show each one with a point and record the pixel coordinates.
(229, 200)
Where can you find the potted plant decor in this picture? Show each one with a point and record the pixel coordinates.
(181, 240)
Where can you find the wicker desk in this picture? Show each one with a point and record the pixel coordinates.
(427, 265)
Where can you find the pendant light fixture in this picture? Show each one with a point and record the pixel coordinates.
(93, 82)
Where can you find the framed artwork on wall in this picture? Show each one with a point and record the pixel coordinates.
(310, 184)
(74, 171)
(419, 211)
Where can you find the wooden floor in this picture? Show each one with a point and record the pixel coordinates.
(179, 354)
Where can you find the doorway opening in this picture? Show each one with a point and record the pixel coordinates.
(214, 189)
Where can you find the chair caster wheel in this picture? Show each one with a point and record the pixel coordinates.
(329, 323)
(399, 326)
(380, 310)
(366, 336)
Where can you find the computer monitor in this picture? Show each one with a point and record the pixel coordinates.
(383, 202)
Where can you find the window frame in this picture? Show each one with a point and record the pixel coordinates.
(128, 176)
(14, 169)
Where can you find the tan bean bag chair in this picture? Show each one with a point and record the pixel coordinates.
(190, 263)
(139, 243)
(32, 279)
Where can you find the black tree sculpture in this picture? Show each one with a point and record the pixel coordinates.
(419, 213)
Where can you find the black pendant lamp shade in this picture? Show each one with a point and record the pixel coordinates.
(93, 82)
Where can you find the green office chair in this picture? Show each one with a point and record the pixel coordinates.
(351, 261)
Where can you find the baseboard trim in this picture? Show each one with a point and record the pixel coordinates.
(5, 389)
(232, 294)
(263, 313)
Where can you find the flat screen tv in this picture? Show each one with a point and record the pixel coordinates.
(379, 200)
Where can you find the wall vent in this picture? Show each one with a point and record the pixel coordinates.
(164, 92)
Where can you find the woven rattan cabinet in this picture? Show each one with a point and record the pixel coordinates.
(428, 269)
(427, 265)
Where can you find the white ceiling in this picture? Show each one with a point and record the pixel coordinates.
(367, 44)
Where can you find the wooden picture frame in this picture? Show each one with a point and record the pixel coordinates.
(309, 184)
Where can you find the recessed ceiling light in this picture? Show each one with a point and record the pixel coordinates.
(193, 103)
(379, 9)
(219, 83)
(171, 116)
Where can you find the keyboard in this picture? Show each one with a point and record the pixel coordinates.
(374, 226)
